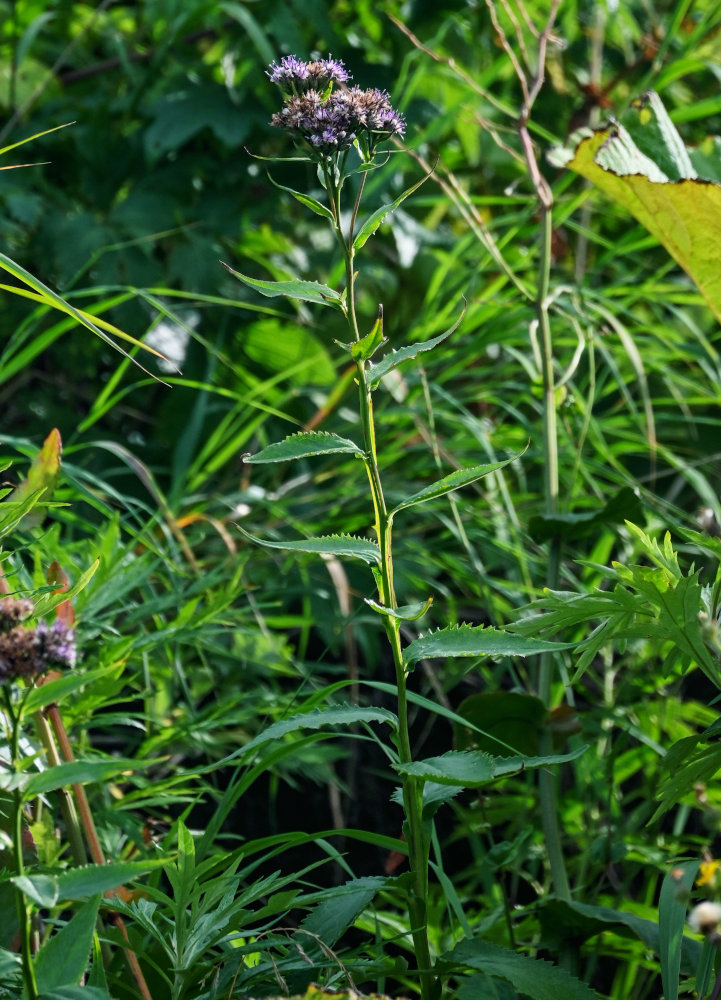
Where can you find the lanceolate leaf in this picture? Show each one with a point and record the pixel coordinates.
(302, 446)
(304, 199)
(472, 768)
(308, 291)
(77, 772)
(477, 640)
(463, 477)
(372, 223)
(326, 545)
(390, 361)
(531, 977)
(343, 715)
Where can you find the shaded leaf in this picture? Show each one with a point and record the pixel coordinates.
(407, 613)
(518, 719)
(343, 715)
(63, 958)
(623, 506)
(304, 199)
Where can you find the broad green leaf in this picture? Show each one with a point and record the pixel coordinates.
(304, 199)
(307, 291)
(408, 613)
(303, 445)
(10, 967)
(471, 768)
(623, 506)
(675, 891)
(379, 370)
(344, 715)
(63, 959)
(682, 211)
(477, 640)
(374, 221)
(518, 719)
(532, 977)
(656, 135)
(332, 545)
(78, 772)
(454, 481)
(82, 882)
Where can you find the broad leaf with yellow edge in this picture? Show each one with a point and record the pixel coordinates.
(674, 192)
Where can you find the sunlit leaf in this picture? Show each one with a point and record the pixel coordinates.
(328, 545)
(303, 445)
(307, 291)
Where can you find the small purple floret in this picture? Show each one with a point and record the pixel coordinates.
(55, 645)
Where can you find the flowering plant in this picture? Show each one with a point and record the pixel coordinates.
(327, 120)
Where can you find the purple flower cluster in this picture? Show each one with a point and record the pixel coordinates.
(331, 121)
(294, 76)
(29, 652)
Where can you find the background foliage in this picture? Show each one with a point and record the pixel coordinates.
(193, 639)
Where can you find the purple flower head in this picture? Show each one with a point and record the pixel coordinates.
(294, 76)
(325, 126)
(55, 645)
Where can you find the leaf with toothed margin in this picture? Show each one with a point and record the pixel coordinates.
(472, 768)
(303, 445)
(454, 481)
(307, 291)
(379, 370)
(477, 640)
(325, 545)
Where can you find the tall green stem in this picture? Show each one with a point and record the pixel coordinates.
(418, 845)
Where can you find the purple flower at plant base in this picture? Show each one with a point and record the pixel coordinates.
(55, 646)
(294, 76)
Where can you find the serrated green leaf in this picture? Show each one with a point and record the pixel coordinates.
(332, 545)
(63, 959)
(530, 976)
(477, 640)
(374, 221)
(344, 715)
(303, 445)
(390, 361)
(472, 768)
(80, 883)
(564, 922)
(306, 291)
(304, 199)
(407, 613)
(334, 915)
(454, 481)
